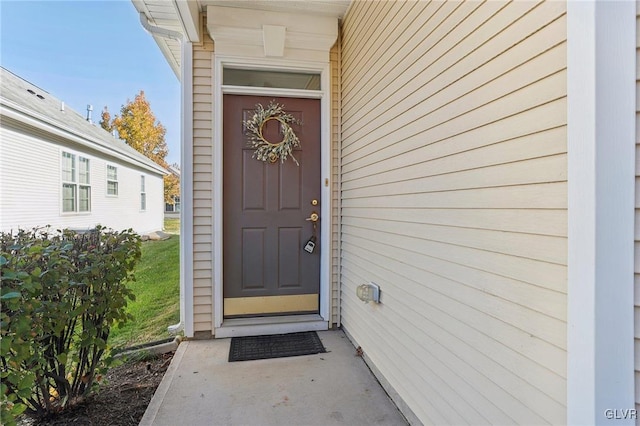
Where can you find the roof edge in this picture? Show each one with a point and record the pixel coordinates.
(31, 118)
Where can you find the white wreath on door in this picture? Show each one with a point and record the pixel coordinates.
(264, 149)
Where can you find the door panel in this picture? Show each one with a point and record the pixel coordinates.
(253, 179)
(289, 242)
(265, 206)
(253, 256)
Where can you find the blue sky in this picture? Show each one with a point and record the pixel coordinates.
(90, 52)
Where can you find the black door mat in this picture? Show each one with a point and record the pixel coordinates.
(275, 346)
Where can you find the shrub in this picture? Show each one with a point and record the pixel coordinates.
(61, 294)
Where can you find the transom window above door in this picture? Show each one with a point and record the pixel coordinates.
(268, 78)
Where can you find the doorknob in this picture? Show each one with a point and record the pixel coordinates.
(314, 217)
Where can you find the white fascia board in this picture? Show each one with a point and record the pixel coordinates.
(38, 121)
(189, 17)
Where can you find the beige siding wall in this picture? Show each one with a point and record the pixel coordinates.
(202, 187)
(454, 201)
(637, 217)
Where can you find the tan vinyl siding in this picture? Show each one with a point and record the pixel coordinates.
(335, 183)
(202, 187)
(453, 200)
(636, 279)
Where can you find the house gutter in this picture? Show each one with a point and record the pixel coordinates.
(158, 31)
(186, 218)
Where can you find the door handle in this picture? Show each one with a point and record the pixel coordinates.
(314, 217)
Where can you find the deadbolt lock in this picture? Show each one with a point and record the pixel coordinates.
(314, 202)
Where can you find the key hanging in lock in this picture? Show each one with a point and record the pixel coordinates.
(311, 243)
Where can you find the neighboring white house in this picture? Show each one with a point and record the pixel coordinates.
(172, 210)
(477, 161)
(59, 169)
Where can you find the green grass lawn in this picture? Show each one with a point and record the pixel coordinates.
(157, 290)
(172, 226)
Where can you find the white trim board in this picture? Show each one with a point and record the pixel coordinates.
(275, 325)
(220, 62)
(601, 168)
(186, 191)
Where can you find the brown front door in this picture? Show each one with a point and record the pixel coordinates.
(266, 270)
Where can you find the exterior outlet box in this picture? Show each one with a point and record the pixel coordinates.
(368, 292)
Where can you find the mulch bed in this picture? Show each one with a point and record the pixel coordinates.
(122, 401)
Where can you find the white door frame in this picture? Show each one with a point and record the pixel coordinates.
(219, 63)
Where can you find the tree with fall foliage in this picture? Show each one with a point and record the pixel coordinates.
(105, 120)
(138, 127)
(171, 186)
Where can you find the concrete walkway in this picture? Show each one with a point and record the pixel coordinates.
(334, 388)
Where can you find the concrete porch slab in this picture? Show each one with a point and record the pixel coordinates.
(335, 388)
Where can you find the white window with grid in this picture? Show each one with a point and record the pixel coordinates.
(143, 194)
(76, 183)
(69, 188)
(84, 193)
(112, 180)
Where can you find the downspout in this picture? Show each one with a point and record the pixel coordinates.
(175, 35)
(161, 32)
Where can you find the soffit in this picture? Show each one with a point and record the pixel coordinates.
(164, 14)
